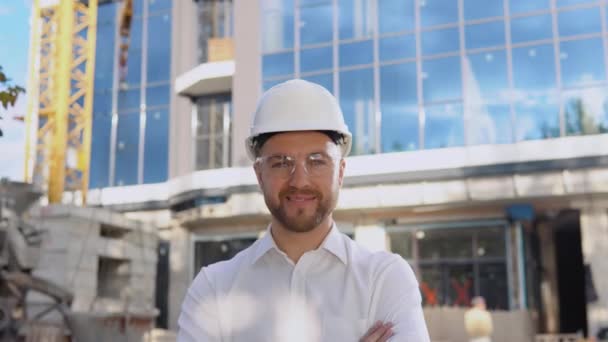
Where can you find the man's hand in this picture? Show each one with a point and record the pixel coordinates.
(379, 332)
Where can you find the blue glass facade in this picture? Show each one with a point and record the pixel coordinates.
(131, 104)
(439, 73)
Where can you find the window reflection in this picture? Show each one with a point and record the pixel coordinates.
(159, 48)
(397, 47)
(441, 79)
(534, 68)
(156, 150)
(444, 126)
(531, 28)
(277, 23)
(479, 9)
(398, 98)
(485, 75)
(100, 151)
(127, 148)
(277, 64)
(561, 3)
(395, 15)
(356, 53)
(580, 21)
(438, 12)
(586, 111)
(537, 117)
(325, 80)
(485, 35)
(316, 59)
(523, 6)
(440, 41)
(158, 95)
(356, 19)
(582, 62)
(316, 22)
(356, 99)
(488, 124)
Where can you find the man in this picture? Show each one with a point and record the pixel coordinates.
(303, 280)
(478, 322)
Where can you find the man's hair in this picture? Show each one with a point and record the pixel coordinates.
(259, 141)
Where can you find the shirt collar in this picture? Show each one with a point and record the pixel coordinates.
(333, 243)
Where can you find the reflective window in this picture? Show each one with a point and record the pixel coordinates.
(104, 57)
(440, 41)
(395, 15)
(561, 3)
(215, 21)
(213, 132)
(158, 95)
(401, 243)
(156, 146)
(138, 8)
(316, 59)
(485, 75)
(397, 47)
(132, 74)
(128, 99)
(356, 53)
(537, 117)
(441, 79)
(106, 13)
(398, 99)
(269, 84)
(488, 124)
(325, 80)
(438, 12)
(277, 25)
(356, 19)
(523, 6)
(534, 68)
(485, 35)
(582, 61)
(159, 48)
(277, 64)
(127, 144)
(444, 126)
(316, 23)
(102, 102)
(531, 28)
(158, 5)
(586, 111)
(580, 21)
(479, 9)
(357, 102)
(100, 151)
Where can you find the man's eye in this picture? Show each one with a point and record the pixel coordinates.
(317, 162)
(280, 164)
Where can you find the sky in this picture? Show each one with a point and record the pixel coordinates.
(14, 45)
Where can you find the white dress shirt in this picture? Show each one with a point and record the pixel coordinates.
(334, 293)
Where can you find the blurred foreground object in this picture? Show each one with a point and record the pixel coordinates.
(478, 321)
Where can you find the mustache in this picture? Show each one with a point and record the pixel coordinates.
(291, 191)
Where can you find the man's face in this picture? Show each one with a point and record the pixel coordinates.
(300, 174)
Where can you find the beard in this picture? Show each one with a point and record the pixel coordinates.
(301, 220)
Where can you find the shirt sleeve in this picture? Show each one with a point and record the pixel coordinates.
(199, 319)
(397, 299)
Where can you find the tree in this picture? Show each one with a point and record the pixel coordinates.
(8, 93)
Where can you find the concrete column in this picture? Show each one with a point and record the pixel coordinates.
(594, 231)
(246, 84)
(181, 277)
(548, 284)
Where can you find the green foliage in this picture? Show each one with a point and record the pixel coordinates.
(8, 93)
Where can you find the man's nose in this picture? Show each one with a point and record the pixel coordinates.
(299, 177)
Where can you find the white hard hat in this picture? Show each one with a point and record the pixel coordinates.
(298, 105)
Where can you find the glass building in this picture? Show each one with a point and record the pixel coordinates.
(131, 102)
(429, 74)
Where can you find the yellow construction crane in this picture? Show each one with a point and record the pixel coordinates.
(60, 90)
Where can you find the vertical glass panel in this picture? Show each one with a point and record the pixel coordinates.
(444, 126)
(438, 12)
(106, 13)
(485, 35)
(395, 15)
(356, 19)
(127, 144)
(159, 5)
(156, 146)
(316, 23)
(440, 41)
(100, 151)
(138, 8)
(356, 53)
(561, 3)
(442, 244)
(582, 62)
(441, 79)
(398, 104)
(534, 68)
(523, 6)
(104, 56)
(132, 74)
(325, 80)
(479, 9)
(129, 99)
(397, 47)
(159, 48)
(490, 243)
(277, 64)
(277, 25)
(460, 285)
(102, 102)
(580, 21)
(531, 28)
(401, 243)
(488, 123)
(586, 111)
(357, 101)
(431, 284)
(485, 75)
(537, 117)
(493, 285)
(316, 59)
(158, 95)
